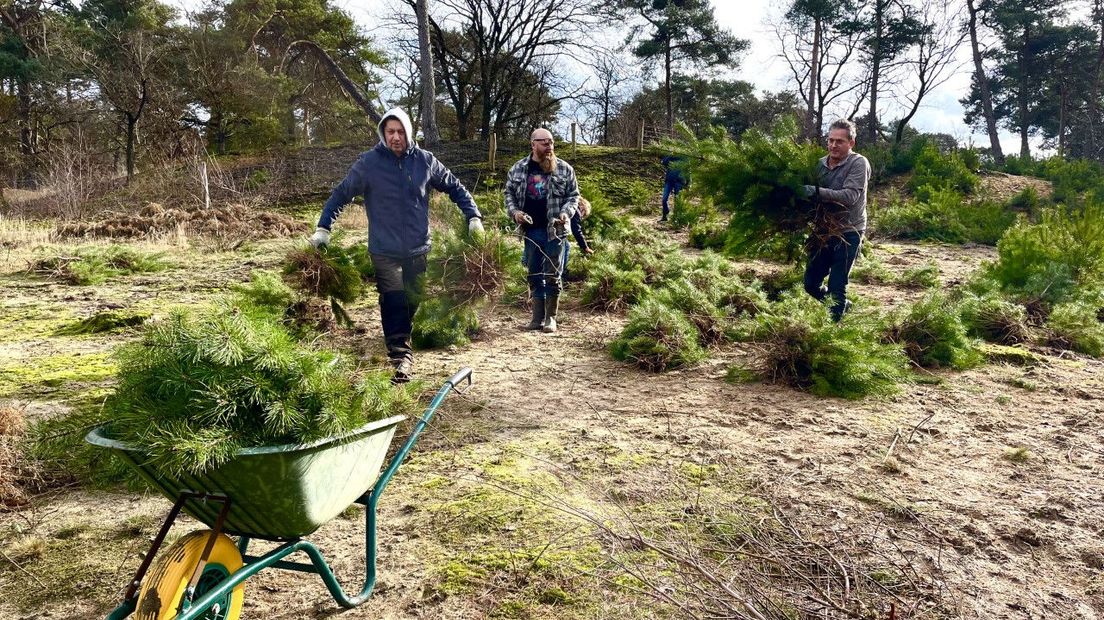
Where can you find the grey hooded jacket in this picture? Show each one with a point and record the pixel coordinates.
(396, 194)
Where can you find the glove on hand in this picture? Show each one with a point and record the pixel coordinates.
(475, 227)
(810, 191)
(320, 237)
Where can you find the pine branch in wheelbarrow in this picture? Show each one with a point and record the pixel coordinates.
(202, 384)
(758, 181)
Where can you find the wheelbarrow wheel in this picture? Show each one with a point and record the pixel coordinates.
(164, 585)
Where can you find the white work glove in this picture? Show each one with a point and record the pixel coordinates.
(810, 190)
(320, 237)
(522, 217)
(564, 218)
(475, 227)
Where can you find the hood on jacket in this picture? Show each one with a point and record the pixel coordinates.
(401, 116)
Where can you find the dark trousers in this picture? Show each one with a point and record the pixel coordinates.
(834, 260)
(544, 260)
(669, 189)
(400, 288)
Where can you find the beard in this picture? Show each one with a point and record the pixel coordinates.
(548, 163)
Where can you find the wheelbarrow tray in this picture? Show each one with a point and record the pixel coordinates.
(276, 492)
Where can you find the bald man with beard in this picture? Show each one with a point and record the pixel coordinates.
(541, 196)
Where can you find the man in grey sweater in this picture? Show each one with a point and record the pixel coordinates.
(841, 198)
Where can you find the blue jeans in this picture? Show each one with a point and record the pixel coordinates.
(545, 262)
(834, 259)
(668, 189)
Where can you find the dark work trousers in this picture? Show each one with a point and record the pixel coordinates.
(544, 260)
(400, 284)
(833, 259)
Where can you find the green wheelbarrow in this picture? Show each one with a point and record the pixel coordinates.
(274, 493)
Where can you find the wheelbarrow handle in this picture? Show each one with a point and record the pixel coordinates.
(459, 377)
(397, 459)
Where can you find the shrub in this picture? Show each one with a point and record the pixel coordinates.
(697, 306)
(97, 264)
(870, 270)
(1050, 260)
(200, 386)
(937, 171)
(994, 318)
(440, 322)
(657, 338)
(708, 234)
(604, 222)
(777, 283)
(687, 212)
(945, 215)
(924, 276)
(1076, 326)
(803, 348)
(932, 334)
(608, 287)
(720, 280)
(1027, 201)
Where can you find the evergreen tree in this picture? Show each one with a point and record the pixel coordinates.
(679, 31)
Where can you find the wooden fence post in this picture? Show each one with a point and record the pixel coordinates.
(640, 138)
(492, 149)
(573, 140)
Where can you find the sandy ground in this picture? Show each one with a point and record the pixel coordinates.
(991, 536)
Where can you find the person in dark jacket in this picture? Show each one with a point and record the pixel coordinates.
(673, 181)
(394, 178)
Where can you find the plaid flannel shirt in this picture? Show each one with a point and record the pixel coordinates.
(563, 196)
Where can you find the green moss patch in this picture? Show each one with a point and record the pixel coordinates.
(49, 373)
(102, 322)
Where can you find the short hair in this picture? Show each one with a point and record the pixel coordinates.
(843, 123)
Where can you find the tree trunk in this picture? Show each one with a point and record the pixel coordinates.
(1062, 122)
(667, 83)
(1025, 148)
(983, 87)
(812, 122)
(131, 133)
(875, 71)
(346, 84)
(425, 68)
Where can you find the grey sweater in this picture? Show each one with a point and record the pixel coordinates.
(846, 184)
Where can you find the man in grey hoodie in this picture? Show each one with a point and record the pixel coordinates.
(394, 178)
(844, 176)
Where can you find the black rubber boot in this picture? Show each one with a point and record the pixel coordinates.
(551, 306)
(538, 315)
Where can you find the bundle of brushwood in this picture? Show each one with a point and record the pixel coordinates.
(328, 273)
(463, 273)
(759, 182)
(202, 384)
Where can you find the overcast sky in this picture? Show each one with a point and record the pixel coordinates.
(761, 65)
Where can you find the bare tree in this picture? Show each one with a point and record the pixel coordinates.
(505, 37)
(933, 59)
(604, 98)
(820, 63)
